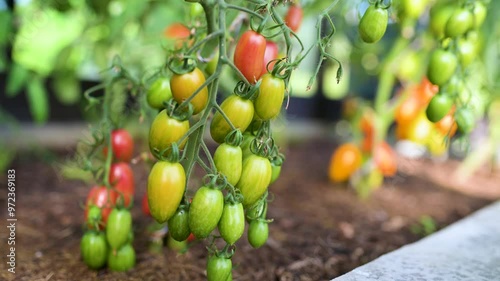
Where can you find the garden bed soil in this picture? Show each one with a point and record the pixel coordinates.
(320, 230)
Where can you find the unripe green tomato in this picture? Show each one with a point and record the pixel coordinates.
(232, 222)
(118, 228)
(238, 110)
(255, 178)
(465, 120)
(258, 232)
(228, 160)
(460, 21)
(178, 225)
(246, 144)
(442, 66)
(467, 51)
(195, 10)
(438, 107)
(439, 17)
(270, 99)
(94, 217)
(212, 64)
(94, 249)
(412, 9)
(479, 12)
(123, 259)
(219, 269)
(159, 92)
(276, 171)
(205, 211)
(409, 67)
(176, 245)
(373, 24)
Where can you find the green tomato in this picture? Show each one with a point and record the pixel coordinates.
(442, 66)
(205, 211)
(212, 64)
(255, 178)
(219, 269)
(123, 259)
(270, 99)
(465, 120)
(438, 107)
(94, 217)
(412, 9)
(439, 16)
(467, 52)
(195, 10)
(232, 222)
(94, 249)
(166, 130)
(229, 161)
(409, 67)
(276, 171)
(159, 92)
(238, 110)
(246, 144)
(460, 21)
(178, 225)
(258, 232)
(176, 245)
(118, 228)
(373, 24)
(479, 13)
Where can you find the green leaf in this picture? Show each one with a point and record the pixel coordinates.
(7, 155)
(6, 24)
(16, 80)
(38, 100)
(67, 89)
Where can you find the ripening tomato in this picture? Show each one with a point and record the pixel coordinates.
(373, 24)
(293, 18)
(249, 55)
(447, 125)
(240, 112)
(205, 211)
(122, 145)
(121, 178)
(184, 85)
(178, 33)
(166, 130)
(158, 93)
(255, 178)
(479, 12)
(166, 186)
(439, 15)
(123, 259)
(385, 159)
(232, 222)
(258, 232)
(345, 161)
(103, 198)
(178, 225)
(442, 66)
(438, 107)
(228, 160)
(270, 54)
(407, 110)
(94, 249)
(219, 269)
(425, 91)
(145, 205)
(118, 228)
(271, 95)
(436, 143)
(419, 130)
(460, 21)
(465, 120)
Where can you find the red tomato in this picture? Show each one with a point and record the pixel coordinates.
(145, 205)
(103, 198)
(249, 55)
(407, 110)
(122, 144)
(270, 54)
(121, 178)
(385, 159)
(426, 90)
(293, 18)
(178, 33)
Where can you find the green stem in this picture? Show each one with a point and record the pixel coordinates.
(107, 120)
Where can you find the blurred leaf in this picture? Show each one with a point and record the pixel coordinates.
(73, 172)
(16, 80)
(38, 100)
(7, 155)
(6, 24)
(67, 88)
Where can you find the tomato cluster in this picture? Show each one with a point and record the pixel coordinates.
(109, 235)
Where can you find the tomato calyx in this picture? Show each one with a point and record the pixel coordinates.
(247, 91)
(381, 4)
(234, 138)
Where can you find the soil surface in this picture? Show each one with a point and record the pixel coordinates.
(320, 230)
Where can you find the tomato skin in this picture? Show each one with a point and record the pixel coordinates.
(258, 232)
(249, 55)
(373, 24)
(158, 93)
(436, 144)
(246, 144)
(121, 178)
(406, 112)
(438, 107)
(255, 178)
(184, 85)
(176, 245)
(229, 162)
(270, 99)
(419, 130)
(447, 125)
(276, 171)
(460, 21)
(270, 54)
(479, 12)
(232, 222)
(467, 52)
(240, 112)
(465, 120)
(122, 145)
(442, 66)
(344, 162)
(425, 91)
(412, 9)
(166, 130)
(212, 64)
(94, 249)
(205, 211)
(103, 198)
(177, 34)
(385, 159)
(145, 205)
(123, 259)
(178, 225)
(439, 16)
(219, 269)
(293, 18)
(118, 228)
(166, 186)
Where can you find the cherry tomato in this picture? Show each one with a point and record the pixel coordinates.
(219, 269)
(436, 143)
(419, 130)
(439, 16)
(409, 66)
(407, 110)
(373, 24)
(118, 228)
(276, 171)
(460, 21)
(412, 9)
(344, 162)
(103, 198)
(467, 52)
(438, 107)
(465, 120)
(425, 91)
(232, 222)
(447, 125)
(249, 55)
(442, 66)
(228, 160)
(240, 112)
(178, 225)
(205, 211)
(164, 131)
(293, 18)
(270, 54)
(166, 186)
(184, 85)
(255, 178)
(385, 159)
(479, 12)
(212, 64)
(145, 205)
(178, 246)
(271, 95)
(123, 259)
(122, 145)
(121, 178)
(178, 34)
(246, 144)
(258, 231)
(158, 93)
(94, 217)
(94, 249)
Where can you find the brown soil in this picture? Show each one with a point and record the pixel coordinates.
(320, 230)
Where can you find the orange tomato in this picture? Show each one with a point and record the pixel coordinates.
(447, 125)
(178, 33)
(426, 90)
(345, 161)
(408, 110)
(385, 159)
